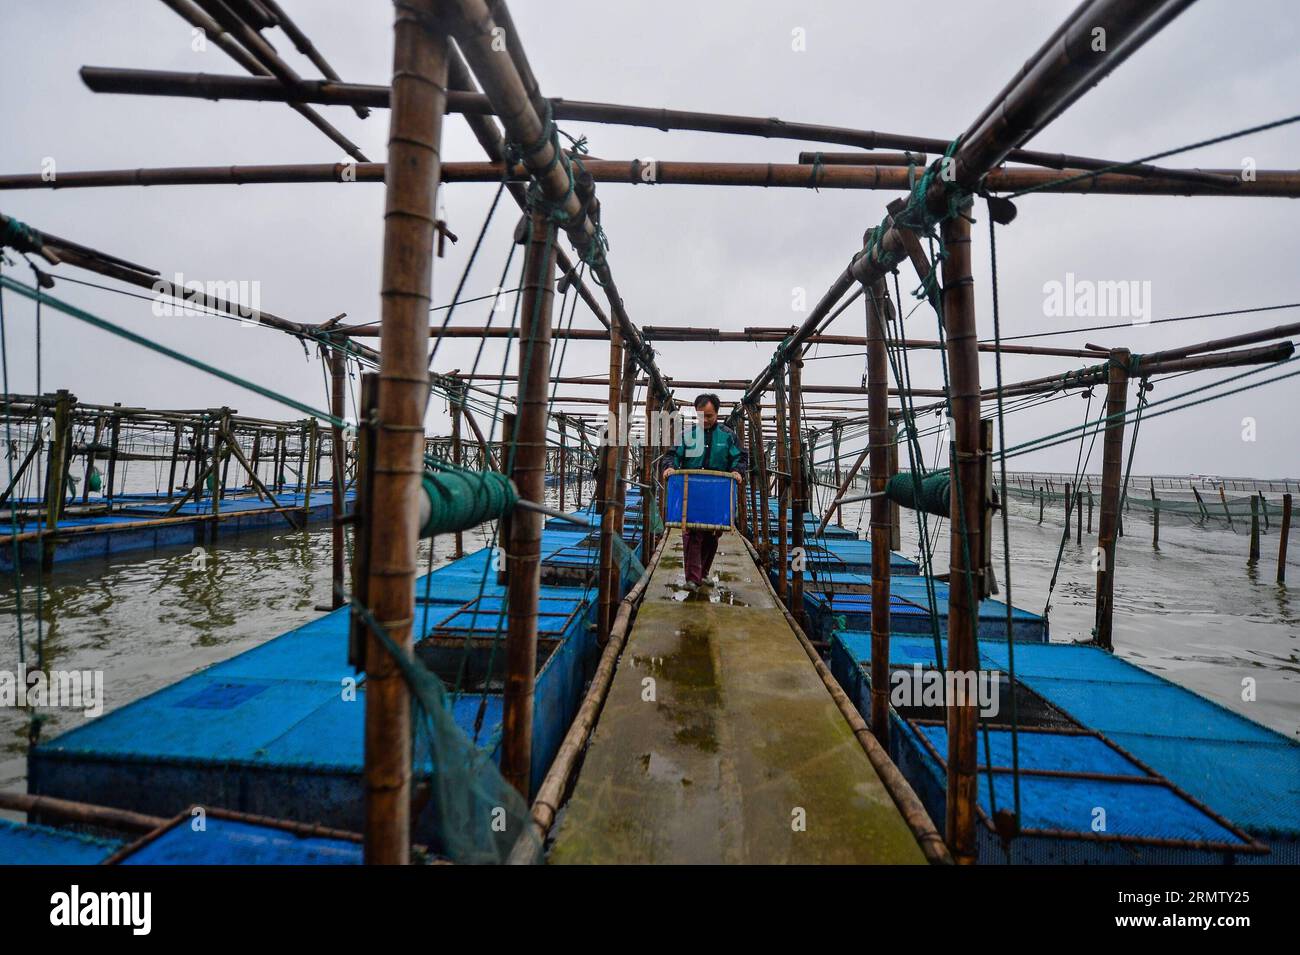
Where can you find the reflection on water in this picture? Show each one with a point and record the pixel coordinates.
(148, 618)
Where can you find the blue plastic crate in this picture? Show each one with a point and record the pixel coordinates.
(701, 500)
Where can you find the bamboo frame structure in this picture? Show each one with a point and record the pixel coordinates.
(419, 89)
(430, 78)
(878, 317)
(529, 475)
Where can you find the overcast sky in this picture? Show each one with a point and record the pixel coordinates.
(682, 255)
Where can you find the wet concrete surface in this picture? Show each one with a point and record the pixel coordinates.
(720, 744)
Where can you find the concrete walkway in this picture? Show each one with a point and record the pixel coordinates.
(719, 742)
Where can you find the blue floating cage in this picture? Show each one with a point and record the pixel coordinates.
(701, 500)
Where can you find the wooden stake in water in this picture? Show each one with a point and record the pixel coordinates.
(1112, 465)
(1155, 518)
(1284, 533)
(1253, 556)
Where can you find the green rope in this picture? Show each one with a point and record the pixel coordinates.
(1160, 155)
(104, 325)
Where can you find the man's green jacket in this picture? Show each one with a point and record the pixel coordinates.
(713, 450)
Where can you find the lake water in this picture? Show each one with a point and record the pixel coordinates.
(1192, 611)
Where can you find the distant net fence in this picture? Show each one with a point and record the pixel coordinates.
(1189, 505)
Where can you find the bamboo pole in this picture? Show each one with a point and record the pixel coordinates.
(32, 452)
(564, 459)
(506, 81)
(55, 482)
(90, 459)
(627, 388)
(764, 507)
(1252, 557)
(154, 82)
(529, 475)
(202, 20)
(49, 807)
(966, 515)
(1112, 465)
(878, 317)
(798, 492)
(458, 459)
(1283, 533)
(609, 584)
(419, 91)
(783, 489)
(1155, 518)
(651, 492)
(338, 476)
(1268, 183)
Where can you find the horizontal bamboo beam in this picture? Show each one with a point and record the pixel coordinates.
(1267, 183)
(207, 86)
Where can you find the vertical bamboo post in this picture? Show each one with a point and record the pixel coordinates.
(609, 583)
(966, 514)
(458, 459)
(302, 455)
(1042, 501)
(115, 437)
(1112, 464)
(628, 385)
(529, 475)
(1089, 507)
(1283, 533)
(90, 458)
(277, 459)
(878, 436)
(1067, 510)
(413, 171)
(764, 506)
(1252, 557)
(564, 458)
(1223, 499)
(1263, 507)
(783, 488)
(1078, 515)
(313, 445)
(505, 533)
(1155, 518)
(895, 513)
(176, 453)
(228, 439)
(839, 475)
(648, 497)
(798, 491)
(55, 485)
(338, 463)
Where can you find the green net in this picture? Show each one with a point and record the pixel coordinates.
(459, 500)
(1232, 513)
(477, 816)
(934, 492)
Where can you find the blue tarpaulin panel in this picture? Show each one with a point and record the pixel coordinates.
(235, 842)
(39, 845)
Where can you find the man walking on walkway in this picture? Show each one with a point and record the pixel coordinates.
(709, 446)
